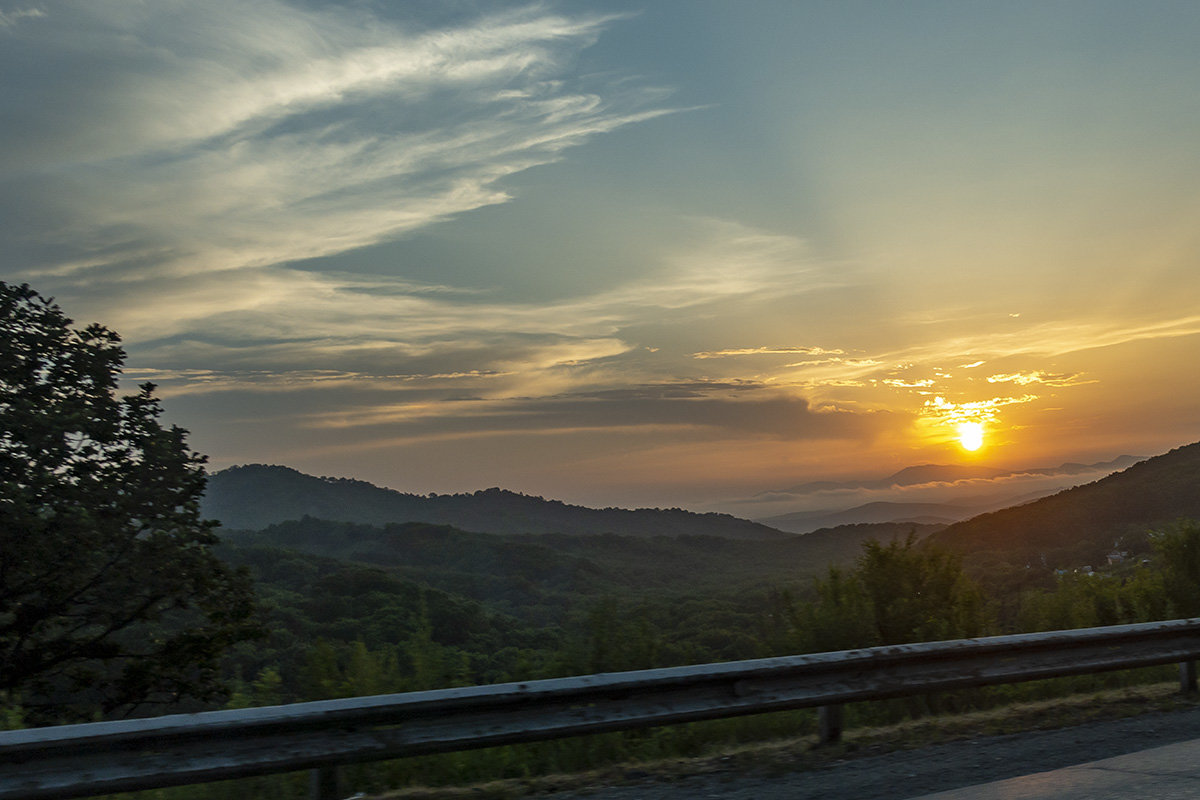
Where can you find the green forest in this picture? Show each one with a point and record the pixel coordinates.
(355, 610)
(346, 626)
(340, 627)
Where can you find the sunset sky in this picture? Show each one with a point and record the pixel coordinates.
(621, 253)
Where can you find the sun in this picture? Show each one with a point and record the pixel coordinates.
(970, 435)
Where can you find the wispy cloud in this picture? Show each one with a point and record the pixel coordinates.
(770, 351)
(179, 382)
(712, 411)
(1074, 334)
(213, 145)
(943, 412)
(223, 142)
(1038, 377)
(223, 135)
(368, 330)
(8, 19)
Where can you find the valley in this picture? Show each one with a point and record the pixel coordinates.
(383, 593)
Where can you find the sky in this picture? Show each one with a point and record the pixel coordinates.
(662, 253)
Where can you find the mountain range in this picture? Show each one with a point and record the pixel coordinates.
(483, 543)
(255, 496)
(867, 513)
(1075, 526)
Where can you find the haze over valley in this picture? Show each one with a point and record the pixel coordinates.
(254, 496)
(1080, 523)
(926, 493)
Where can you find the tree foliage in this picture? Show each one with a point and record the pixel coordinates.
(903, 591)
(1178, 548)
(110, 595)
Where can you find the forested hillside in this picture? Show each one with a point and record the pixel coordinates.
(542, 577)
(1079, 526)
(257, 495)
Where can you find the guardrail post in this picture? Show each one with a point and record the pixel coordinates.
(829, 724)
(1187, 676)
(324, 783)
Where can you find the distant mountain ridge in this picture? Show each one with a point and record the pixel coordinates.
(885, 511)
(1080, 525)
(881, 511)
(950, 473)
(255, 496)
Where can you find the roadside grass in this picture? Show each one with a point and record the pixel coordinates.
(800, 753)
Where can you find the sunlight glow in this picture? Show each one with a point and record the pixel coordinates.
(970, 435)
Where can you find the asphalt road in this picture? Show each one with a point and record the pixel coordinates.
(1171, 772)
(1131, 752)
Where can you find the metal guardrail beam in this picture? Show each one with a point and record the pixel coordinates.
(97, 758)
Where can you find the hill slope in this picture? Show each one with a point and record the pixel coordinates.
(255, 496)
(925, 513)
(1078, 526)
(531, 576)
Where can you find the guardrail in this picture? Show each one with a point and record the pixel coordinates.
(102, 757)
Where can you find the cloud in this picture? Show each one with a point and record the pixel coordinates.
(184, 382)
(1047, 339)
(941, 411)
(973, 490)
(9, 19)
(757, 351)
(212, 146)
(899, 383)
(368, 327)
(703, 410)
(181, 138)
(200, 152)
(176, 73)
(1038, 376)
(725, 261)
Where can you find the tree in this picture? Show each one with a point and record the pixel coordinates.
(899, 592)
(1178, 546)
(919, 593)
(839, 618)
(111, 596)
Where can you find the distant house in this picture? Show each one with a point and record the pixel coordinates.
(1117, 556)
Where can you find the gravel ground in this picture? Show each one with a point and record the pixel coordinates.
(912, 773)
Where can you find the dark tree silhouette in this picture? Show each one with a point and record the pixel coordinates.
(110, 594)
